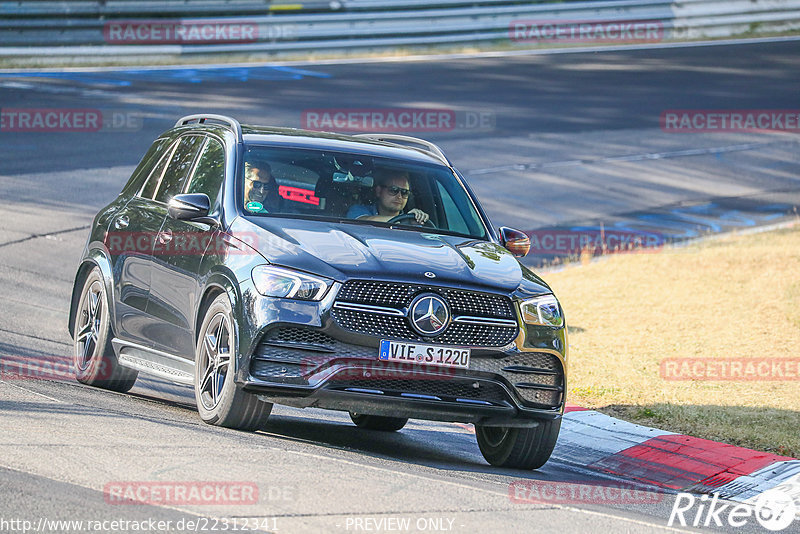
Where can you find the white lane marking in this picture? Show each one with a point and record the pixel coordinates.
(31, 391)
(467, 486)
(431, 57)
(412, 475)
(566, 163)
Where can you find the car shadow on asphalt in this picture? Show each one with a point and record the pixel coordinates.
(434, 444)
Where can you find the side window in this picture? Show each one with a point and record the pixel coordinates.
(455, 221)
(156, 151)
(175, 175)
(150, 187)
(209, 172)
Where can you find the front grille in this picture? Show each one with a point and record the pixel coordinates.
(481, 304)
(388, 326)
(378, 293)
(444, 389)
(399, 297)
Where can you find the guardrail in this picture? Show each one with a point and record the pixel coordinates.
(131, 28)
(149, 8)
(33, 8)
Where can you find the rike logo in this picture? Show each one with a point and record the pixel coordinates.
(774, 510)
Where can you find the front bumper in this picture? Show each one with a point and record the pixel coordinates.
(498, 387)
(315, 362)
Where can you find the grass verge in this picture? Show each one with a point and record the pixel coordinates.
(733, 297)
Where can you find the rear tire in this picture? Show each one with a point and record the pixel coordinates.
(378, 422)
(94, 359)
(220, 401)
(521, 448)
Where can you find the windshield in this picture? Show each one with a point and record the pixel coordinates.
(361, 188)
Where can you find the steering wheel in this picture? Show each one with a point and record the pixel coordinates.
(411, 216)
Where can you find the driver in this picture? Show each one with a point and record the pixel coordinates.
(261, 190)
(391, 196)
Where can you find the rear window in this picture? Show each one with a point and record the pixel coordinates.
(156, 151)
(178, 168)
(209, 171)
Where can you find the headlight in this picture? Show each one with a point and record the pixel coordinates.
(273, 281)
(542, 310)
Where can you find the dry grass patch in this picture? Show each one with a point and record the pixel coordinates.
(734, 297)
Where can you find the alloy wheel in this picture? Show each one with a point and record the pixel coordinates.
(215, 359)
(90, 318)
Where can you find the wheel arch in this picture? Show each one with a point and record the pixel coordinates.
(217, 284)
(95, 258)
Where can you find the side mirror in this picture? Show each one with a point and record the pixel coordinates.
(515, 241)
(191, 207)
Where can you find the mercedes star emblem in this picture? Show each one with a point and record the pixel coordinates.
(429, 314)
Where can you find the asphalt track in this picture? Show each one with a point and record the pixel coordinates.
(567, 141)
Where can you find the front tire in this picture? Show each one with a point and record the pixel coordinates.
(93, 357)
(378, 422)
(521, 448)
(219, 401)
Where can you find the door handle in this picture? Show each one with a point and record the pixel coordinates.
(122, 222)
(165, 236)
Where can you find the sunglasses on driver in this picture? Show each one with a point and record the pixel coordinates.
(394, 190)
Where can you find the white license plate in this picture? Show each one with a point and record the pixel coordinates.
(396, 351)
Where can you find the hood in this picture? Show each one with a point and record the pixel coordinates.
(344, 250)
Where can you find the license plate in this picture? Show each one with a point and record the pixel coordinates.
(397, 351)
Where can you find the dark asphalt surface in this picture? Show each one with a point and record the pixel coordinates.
(531, 95)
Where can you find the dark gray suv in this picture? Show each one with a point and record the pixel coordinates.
(357, 273)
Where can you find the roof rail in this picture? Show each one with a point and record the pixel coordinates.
(201, 118)
(427, 146)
